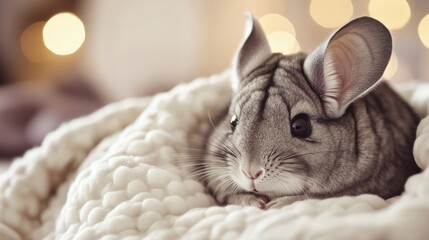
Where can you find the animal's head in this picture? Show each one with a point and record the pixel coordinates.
(288, 125)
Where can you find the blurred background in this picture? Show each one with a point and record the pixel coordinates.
(64, 59)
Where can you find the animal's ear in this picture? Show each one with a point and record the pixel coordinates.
(349, 64)
(253, 51)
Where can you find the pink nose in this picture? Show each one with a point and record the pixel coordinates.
(255, 175)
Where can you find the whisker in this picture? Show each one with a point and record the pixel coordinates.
(210, 119)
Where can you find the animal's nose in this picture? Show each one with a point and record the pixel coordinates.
(253, 175)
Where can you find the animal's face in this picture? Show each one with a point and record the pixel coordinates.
(282, 141)
(287, 128)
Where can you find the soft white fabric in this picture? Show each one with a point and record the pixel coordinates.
(114, 175)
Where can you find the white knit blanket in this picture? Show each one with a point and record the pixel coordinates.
(114, 175)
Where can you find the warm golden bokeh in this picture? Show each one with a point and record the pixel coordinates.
(64, 33)
(280, 33)
(395, 14)
(276, 23)
(423, 30)
(283, 42)
(32, 43)
(331, 13)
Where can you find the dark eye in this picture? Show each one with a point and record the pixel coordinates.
(234, 121)
(301, 126)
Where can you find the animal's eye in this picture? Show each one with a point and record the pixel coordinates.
(301, 126)
(234, 121)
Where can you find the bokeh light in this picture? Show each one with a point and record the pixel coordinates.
(276, 23)
(395, 14)
(32, 45)
(424, 30)
(64, 33)
(331, 13)
(280, 33)
(392, 67)
(283, 42)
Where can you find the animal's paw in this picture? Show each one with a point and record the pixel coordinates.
(248, 199)
(283, 201)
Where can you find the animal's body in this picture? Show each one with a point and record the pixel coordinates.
(312, 126)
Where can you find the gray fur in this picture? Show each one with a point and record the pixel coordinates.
(367, 149)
